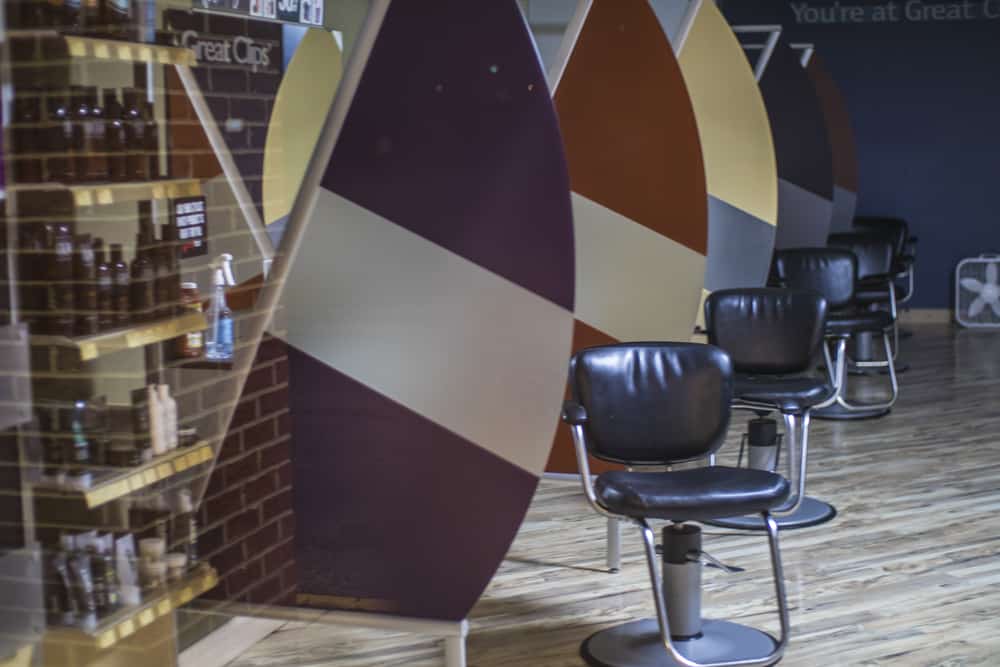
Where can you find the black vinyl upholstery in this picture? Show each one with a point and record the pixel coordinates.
(659, 404)
(766, 330)
(895, 230)
(874, 252)
(846, 323)
(653, 403)
(831, 272)
(691, 495)
(791, 395)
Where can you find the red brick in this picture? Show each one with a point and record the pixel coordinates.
(243, 524)
(210, 541)
(276, 454)
(240, 471)
(284, 476)
(232, 446)
(229, 559)
(267, 591)
(260, 487)
(281, 371)
(258, 434)
(224, 506)
(287, 526)
(284, 424)
(259, 379)
(273, 401)
(270, 349)
(290, 576)
(277, 505)
(263, 539)
(246, 412)
(279, 557)
(240, 579)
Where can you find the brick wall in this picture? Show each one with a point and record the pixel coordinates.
(246, 520)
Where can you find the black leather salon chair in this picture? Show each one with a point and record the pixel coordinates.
(897, 231)
(832, 272)
(772, 337)
(660, 404)
(876, 287)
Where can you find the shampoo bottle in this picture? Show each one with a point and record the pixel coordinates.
(219, 345)
(168, 409)
(156, 422)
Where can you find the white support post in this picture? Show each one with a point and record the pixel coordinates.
(454, 652)
(773, 33)
(614, 556)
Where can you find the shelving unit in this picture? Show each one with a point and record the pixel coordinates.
(138, 336)
(47, 59)
(114, 483)
(126, 622)
(36, 195)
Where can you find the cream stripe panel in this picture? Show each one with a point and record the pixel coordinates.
(740, 164)
(300, 109)
(455, 343)
(632, 283)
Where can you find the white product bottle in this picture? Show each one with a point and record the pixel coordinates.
(168, 408)
(156, 429)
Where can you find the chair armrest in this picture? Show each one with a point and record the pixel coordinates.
(877, 280)
(573, 413)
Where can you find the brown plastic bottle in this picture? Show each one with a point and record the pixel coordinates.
(143, 286)
(85, 286)
(59, 140)
(80, 146)
(115, 141)
(105, 288)
(59, 272)
(137, 163)
(121, 286)
(171, 245)
(97, 159)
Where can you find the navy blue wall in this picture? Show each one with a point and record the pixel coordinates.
(924, 99)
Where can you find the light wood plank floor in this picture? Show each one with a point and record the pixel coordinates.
(907, 574)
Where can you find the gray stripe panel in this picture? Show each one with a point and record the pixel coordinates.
(845, 205)
(739, 247)
(803, 217)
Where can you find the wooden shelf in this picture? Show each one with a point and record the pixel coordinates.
(140, 335)
(112, 629)
(111, 50)
(120, 482)
(40, 195)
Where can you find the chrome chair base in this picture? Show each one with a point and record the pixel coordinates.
(837, 412)
(811, 512)
(638, 644)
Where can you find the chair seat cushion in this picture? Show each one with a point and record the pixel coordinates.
(788, 394)
(866, 296)
(848, 322)
(700, 494)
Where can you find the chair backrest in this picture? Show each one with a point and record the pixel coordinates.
(874, 252)
(894, 229)
(832, 272)
(653, 403)
(766, 330)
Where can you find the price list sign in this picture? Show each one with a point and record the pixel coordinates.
(189, 216)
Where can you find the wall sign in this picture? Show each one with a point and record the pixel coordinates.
(189, 216)
(308, 12)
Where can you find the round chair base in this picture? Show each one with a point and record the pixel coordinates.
(638, 644)
(811, 512)
(837, 412)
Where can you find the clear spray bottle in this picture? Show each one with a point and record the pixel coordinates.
(219, 344)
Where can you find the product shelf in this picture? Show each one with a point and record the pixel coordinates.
(125, 622)
(98, 345)
(55, 44)
(41, 195)
(114, 483)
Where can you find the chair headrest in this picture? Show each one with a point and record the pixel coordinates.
(653, 403)
(767, 330)
(831, 272)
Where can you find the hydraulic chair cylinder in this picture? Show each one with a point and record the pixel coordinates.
(682, 580)
(762, 444)
(863, 347)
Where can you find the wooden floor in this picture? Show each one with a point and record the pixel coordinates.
(907, 574)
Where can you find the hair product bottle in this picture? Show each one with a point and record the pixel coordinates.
(81, 147)
(137, 162)
(59, 140)
(115, 141)
(219, 345)
(85, 286)
(121, 285)
(105, 288)
(97, 161)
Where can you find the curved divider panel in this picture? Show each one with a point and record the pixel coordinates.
(740, 166)
(638, 181)
(306, 93)
(842, 143)
(430, 313)
(805, 158)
